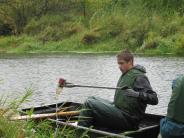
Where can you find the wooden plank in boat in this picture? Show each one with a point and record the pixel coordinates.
(41, 116)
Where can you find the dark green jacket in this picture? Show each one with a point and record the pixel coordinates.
(175, 108)
(135, 79)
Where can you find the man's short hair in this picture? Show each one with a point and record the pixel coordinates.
(126, 55)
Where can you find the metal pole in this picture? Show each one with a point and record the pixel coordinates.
(70, 85)
(89, 129)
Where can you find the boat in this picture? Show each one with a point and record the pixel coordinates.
(148, 128)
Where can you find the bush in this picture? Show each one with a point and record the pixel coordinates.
(33, 27)
(138, 33)
(179, 44)
(169, 29)
(52, 28)
(90, 38)
(50, 34)
(151, 42)
(7, 42)
(165, 46)
(108, 25)
(56, 33)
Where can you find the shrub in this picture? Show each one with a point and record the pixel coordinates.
(90, 38)
(179, 44)
(108, 25)
(50, 34)
(151, 42)
(169, 29)
(33, 27)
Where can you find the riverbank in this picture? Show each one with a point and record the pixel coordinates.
(30, 45)
(93, 26)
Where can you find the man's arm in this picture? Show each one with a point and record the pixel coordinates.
(146, 94)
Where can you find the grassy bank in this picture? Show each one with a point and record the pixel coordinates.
(144, 27)
(26, 44)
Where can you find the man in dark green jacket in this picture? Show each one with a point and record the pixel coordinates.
(129, 104)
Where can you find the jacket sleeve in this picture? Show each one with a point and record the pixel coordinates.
(146, 94)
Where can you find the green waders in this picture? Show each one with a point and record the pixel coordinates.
(104, 114)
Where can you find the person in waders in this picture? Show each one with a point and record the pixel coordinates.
(172, 126)
(129, 104)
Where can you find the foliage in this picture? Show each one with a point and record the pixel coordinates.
(91, 25)
(8, 109)
(29, 128)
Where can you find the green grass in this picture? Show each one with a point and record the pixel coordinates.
(28, 128)
(153, 46)
(107, 27)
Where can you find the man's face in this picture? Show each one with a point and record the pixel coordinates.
(123, 65)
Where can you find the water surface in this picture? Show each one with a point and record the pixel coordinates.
(41, 73)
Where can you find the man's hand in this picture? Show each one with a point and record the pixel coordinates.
(131, 93)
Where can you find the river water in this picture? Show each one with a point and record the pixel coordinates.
(40, 73)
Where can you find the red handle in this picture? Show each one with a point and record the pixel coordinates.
(62, 82)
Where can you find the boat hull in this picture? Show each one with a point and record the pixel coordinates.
(148, 128)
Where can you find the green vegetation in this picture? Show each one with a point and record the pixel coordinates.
(28, 128)
(149, 27)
